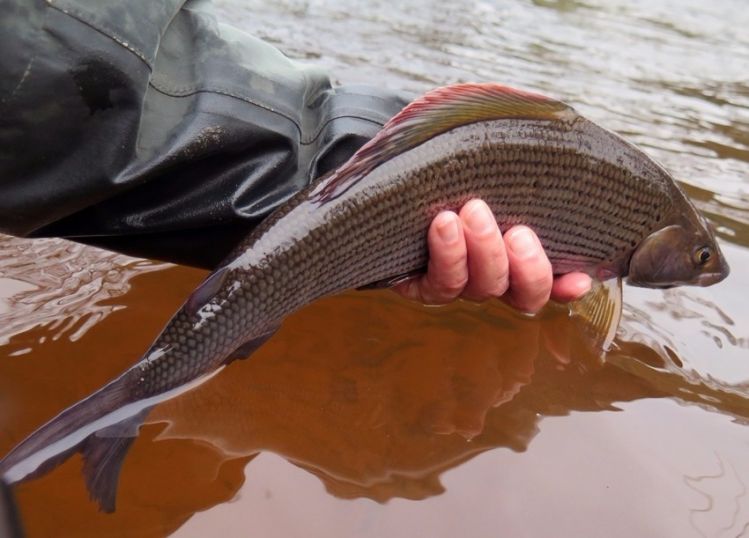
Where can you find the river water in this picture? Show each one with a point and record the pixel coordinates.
(370, 416)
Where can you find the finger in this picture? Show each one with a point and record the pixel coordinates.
(530, 270)
(488, 272)
(447, 272)
(570, 287)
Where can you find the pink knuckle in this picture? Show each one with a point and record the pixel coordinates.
(451, 287)
(454, 260)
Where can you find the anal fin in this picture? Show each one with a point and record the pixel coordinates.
(250, 346)
(599, 312)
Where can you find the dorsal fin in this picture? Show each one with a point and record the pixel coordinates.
(437, 112)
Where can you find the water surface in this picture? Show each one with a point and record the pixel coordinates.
(370, 416)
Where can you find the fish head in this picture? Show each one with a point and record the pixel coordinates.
(679, 254)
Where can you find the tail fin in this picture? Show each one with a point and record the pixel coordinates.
(103, 455)
(100, 427)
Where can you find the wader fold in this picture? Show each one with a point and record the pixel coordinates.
(149, 128)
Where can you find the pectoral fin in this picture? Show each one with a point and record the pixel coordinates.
(206, 291)
(598, 313)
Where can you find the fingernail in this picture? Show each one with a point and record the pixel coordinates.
(448, 229)
(522, 243)
(583, 287)
(480, 218)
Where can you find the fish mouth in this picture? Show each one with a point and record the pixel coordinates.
(708, 279)
(713, 277)
(702, 280)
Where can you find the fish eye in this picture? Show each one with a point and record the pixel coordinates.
(703, 255)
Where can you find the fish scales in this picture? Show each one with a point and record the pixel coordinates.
(597, 203)
(378, 229)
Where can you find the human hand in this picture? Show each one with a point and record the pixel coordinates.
(469, 258)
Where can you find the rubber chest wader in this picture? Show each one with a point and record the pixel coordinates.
(151, 129)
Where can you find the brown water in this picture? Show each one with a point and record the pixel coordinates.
(370, 416)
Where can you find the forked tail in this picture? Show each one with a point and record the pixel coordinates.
(102, 427)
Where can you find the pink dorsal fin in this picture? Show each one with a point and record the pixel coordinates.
(437, 112)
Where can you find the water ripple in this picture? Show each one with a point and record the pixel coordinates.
(60, 285)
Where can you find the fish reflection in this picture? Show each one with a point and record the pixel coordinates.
(10, 526)
(381, 425)
(388, 423)
(378, 410)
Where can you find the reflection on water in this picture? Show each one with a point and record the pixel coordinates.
(60, 285)
(369, 416)
(376, 397)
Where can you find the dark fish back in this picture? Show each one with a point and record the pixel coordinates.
(588, 211)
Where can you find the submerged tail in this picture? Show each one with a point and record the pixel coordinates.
(102, 427)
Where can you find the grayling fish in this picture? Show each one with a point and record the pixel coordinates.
(598, 204)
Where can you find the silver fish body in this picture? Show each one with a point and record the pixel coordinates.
(592, 198)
